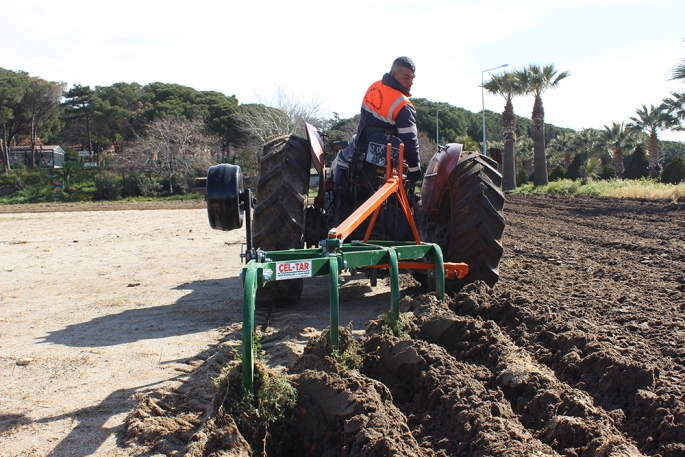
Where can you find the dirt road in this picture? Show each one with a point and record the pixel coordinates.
(578, 350)
(96, 306)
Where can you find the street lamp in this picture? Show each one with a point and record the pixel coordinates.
(437, 145)
(482, 90)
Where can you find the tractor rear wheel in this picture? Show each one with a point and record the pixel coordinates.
(279, 214)
(470, 225)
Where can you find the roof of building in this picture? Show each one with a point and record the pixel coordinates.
(44, 147)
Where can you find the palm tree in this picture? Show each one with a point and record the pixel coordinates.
(616, 139)
(590, 169)
(651, 121)
(679, 71)
(507, 85)
(675, 107)
(535, 80)
(524, 152)
(588, 140)
(560, 149)
(66, 174)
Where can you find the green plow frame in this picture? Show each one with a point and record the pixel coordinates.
(331, 259)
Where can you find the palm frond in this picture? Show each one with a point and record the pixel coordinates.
(678, 72)
(676, 105)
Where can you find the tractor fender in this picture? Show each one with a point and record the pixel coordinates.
(316, 150)
(439, 169)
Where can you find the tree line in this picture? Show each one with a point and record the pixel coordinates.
(105, 117)
(597, 152)
(175, 132)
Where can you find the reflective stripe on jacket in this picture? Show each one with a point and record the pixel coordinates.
(386, 104)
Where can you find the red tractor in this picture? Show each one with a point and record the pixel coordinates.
(458, 213)
(459, 207)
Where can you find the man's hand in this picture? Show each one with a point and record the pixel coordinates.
(414, 174)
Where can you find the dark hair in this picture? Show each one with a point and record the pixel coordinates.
(402, 62)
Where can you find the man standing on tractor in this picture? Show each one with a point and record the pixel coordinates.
(386, 104)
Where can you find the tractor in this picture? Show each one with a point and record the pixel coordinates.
(371, 222)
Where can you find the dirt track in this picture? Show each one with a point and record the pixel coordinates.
(578, 350)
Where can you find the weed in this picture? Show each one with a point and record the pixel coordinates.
(350, 354)
(392, 327)
(256, 350)
(352, 358)
(265, 415)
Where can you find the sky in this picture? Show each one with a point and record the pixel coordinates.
(620, 53)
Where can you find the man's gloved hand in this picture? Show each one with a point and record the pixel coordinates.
(414, 175)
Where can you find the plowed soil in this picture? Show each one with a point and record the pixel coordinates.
(579, 350)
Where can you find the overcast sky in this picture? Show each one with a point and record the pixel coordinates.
(620, 52)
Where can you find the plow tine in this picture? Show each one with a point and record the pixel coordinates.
(335, 311)
(249, 294)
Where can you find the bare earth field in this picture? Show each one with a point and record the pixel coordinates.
(113, 324)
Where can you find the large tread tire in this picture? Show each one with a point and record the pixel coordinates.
(279, 214)
(475, 221)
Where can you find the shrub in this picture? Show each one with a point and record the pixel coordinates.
(8, 179)
(137, 184)
(607, 172)
(674, 171)
(590, 169)
(31, 186)
(557, 173)
(107, 187)
(179, 185)
(574, 167)
(34, 177)
(638, 166)
(521, 177)
(191, 178)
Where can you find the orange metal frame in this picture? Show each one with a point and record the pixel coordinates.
(393, 185)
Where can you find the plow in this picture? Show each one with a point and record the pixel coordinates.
(372, 223)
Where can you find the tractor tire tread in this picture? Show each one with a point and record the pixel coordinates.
(279, 216)
(477, 223)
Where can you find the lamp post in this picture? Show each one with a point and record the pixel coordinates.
(482, 90)
(437, 145)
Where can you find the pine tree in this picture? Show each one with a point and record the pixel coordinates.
(638, 167)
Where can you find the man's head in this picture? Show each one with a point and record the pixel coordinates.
(403, 70)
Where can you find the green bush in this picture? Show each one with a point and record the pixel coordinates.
(674, 171)
(138, 184)
(107, 187)
(574, 167)
(557, 173)
(179, 185)
(521, 177)
(191, 178)
(607, 172)
(33, 186)
(35, 177)
(71, 155)
(8, 179)
(638, 166)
